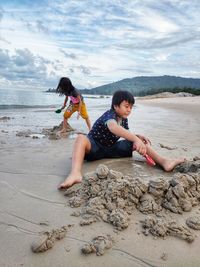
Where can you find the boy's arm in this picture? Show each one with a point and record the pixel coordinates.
(144, 139)
(121, 132)
(65, 102)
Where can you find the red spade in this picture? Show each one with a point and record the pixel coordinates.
(149, 160)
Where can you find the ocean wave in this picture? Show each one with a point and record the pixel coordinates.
(26, 106)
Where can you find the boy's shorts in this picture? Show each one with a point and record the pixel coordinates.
(121, 149)
(73, 108)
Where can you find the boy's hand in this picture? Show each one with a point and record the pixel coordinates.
(140, 147)
(144, 139)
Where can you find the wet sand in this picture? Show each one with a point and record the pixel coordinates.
(31, 169)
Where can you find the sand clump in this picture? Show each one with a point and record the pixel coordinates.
(160, 227)
(51, 133)
(193, 222)
(98, 245)
(189, 166)
(167, 147)
(4, 118)
(26, 133)
(47, 239)
(110, 196)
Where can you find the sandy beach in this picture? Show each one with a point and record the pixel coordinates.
(30, 204)
(186, 104)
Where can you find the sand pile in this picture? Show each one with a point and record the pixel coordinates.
(47, 239)
(110, 196)
(161, 227)
(51, 133)
(98, 245)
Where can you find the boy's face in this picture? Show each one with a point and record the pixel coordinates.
(124, 109)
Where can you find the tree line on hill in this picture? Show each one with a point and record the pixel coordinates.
(174, 90)
(151, 91)
(145, 85)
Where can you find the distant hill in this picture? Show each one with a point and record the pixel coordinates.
(145, 85)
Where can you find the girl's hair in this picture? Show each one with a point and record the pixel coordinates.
(65, 86)
(119, 96)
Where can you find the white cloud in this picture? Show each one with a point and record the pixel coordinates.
(156, 22)
(98, 42)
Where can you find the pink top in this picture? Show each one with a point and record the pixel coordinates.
(74, 100)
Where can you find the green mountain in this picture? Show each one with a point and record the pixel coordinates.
(144, 85)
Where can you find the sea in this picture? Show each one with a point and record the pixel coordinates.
(35, 110)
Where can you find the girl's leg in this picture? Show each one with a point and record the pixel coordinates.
(167, 164)
(81, 147)
(64, 126)
(88, 123)
(69, 111)
(85, 116)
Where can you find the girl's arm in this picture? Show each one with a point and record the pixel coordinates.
(65, 102)
(121, 132)
(79, 105)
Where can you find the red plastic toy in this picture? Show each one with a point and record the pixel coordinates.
(149, 160)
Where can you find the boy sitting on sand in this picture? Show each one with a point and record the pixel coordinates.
(102, 140)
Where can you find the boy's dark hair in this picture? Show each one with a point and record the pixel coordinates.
(65, 86)
(120, 95)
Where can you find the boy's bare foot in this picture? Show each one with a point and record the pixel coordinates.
(169, 164)
(69, 181)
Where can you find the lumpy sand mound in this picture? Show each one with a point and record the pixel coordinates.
(110, 196)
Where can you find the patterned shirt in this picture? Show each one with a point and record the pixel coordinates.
(100, 131)
(73, 95)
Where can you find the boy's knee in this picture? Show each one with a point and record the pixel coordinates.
(81, 138)
(83, 141)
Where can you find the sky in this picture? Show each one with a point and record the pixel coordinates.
(96, 42)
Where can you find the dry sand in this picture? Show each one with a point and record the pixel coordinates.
(186, 104)
(30, 203)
